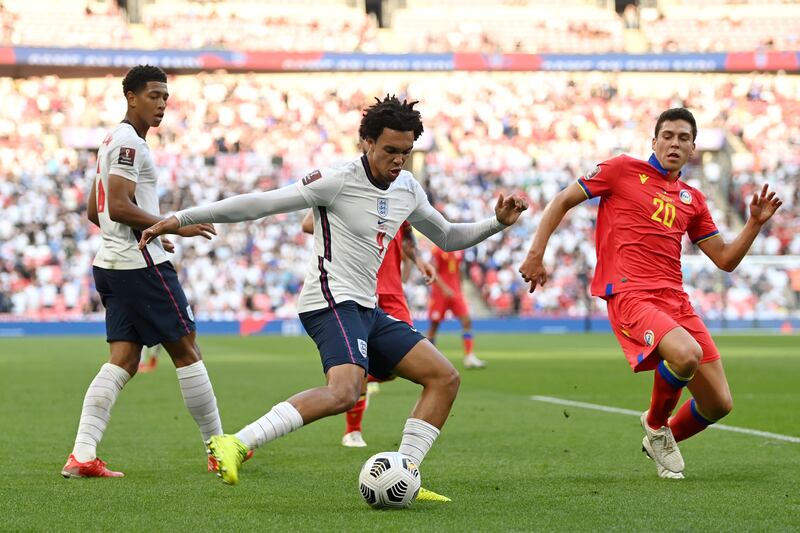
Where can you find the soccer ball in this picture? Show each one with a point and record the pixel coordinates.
(389, 479)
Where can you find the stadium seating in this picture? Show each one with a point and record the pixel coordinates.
(225, 134)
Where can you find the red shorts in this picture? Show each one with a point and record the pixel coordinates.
(640, 319)
(396, 306)
(439, 305)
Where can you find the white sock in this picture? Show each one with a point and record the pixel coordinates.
(96, 412)
(198, 395)
(282, 419)
(418, 437)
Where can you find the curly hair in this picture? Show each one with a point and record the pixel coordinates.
(136, 79)
(390, 113)
(677, 113)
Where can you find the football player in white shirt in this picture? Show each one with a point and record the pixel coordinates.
(358, 208)
(145, 304)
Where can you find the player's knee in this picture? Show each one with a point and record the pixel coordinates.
(721, 408)
(687, 357)
(451, 381)
(344, 398)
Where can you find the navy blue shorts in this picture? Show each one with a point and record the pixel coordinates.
(144, 305)
(369, 338)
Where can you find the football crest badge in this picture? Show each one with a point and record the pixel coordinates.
(649, 337)
(686, 197)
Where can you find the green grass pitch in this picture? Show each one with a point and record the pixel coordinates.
(509, 463)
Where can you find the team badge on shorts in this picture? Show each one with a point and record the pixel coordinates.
(362, 347)
(686, 197)
(649, 337)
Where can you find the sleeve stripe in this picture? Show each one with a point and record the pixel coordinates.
(706, 237)
(586, 190)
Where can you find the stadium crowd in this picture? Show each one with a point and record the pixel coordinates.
(490, 27)
(535, 133)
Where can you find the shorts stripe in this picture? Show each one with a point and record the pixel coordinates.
(344, 334)
(171, 297)
(323, 281)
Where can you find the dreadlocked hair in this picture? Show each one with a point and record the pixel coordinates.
(390, 113)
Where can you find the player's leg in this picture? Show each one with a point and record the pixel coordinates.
(711, 401)
(652, 339)
(436, 311)
(460, 309)
(352, 437)
(340, 336)
(125, 347)
(96, 411)
(167, 319)
(425, 365)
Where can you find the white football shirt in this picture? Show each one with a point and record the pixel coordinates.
(125, 154)
(354, 222)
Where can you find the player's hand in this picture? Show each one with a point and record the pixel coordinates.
(428, 272)
(168, 225)
(168, 245)
(198, 230)
(508, 209)
(533, 271)
(764, 205)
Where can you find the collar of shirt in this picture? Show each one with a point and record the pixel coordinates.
(655, 163)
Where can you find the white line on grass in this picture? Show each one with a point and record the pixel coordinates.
(620, 411)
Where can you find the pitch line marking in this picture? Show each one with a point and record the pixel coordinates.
(620, 411)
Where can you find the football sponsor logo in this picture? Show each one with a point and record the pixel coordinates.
(362, 347)
(686, 197)
(643, 178)
(312, 177)
(649, 337)
(126, 156)
(595, 171)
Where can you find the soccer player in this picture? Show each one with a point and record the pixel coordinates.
(645, 209)
(392, 300)
(358, 209)
(145, 304)
(446, 296)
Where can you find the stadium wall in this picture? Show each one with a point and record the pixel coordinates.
(489, 325)
(25, 60)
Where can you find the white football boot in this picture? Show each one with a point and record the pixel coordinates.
(662, 472)
(353, 440)
(660, 445)
(472, 361)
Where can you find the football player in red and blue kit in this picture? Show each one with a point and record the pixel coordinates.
(645, 209)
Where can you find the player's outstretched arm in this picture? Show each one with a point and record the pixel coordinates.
(532, 269)
(240, 208)
(410, 251)
(727, 256)
(451, 236)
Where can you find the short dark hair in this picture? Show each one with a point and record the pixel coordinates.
(390, 113)
(677, 113)
(136, 79)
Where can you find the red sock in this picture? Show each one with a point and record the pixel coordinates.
(667, 389)
(468, 343)
(688, 421)
(355, 415)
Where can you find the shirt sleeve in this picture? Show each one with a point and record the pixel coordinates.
(447, 235)
(321, 187)
(702, 227)
(126, 160)
(240, 208)
(602, 180)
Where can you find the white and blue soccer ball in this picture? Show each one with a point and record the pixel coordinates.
(389, 479)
